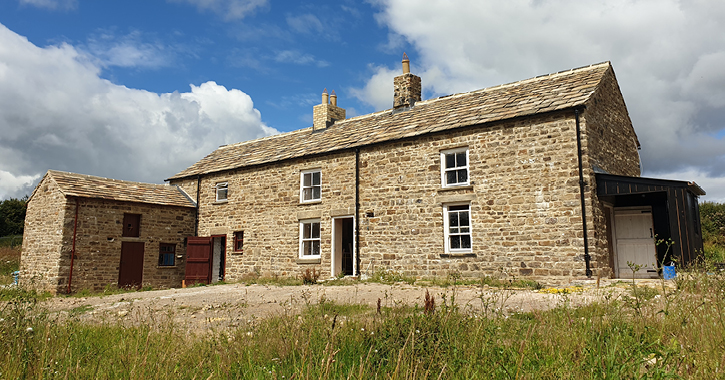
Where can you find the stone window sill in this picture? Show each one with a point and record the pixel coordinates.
(166, 267)
(220, 202)
(310, 202)
(457, 255)
(309, 261)
(237, 253)
(452, 188)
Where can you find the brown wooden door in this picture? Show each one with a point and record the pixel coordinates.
(130, 273)
(198, 260)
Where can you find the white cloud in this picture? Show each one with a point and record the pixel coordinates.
(11, 185)
(299, 58)
(305, 23)
(230, 10)
(668, 56)
(131, 50)
(713, 186)
(57, 113)
(52, 4)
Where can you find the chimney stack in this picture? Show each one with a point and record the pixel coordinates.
(325, 114)
(407, 88)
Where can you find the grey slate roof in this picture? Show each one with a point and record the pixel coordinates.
(87, 186)
(545, 93)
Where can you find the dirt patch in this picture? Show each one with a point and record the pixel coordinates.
(231, 305)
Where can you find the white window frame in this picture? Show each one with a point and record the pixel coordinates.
(311, 238)
(311, 187)
(221, 187)
(447, 228)
(465, 167)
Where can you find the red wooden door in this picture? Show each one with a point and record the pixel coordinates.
(198, 260)
(130, 273)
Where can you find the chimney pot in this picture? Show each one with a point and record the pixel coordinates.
(325, 97)
(406, 64)
(407, 88)
(333, 98)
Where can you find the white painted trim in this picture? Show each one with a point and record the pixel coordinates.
(443, 167)
(333, 261)
(445, 228)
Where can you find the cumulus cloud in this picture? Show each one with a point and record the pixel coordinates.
(57, 113)
(52, 4)
(230, 10)
(668, 56)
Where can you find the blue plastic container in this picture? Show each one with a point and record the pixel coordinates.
(668, 272)
(16, 277)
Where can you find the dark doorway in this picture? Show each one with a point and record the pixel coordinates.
(130, 273)
(198, 261)
(219, 251)
(343, 250)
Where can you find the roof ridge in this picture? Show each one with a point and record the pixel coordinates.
(105, 179)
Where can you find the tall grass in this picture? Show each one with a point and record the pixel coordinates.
(646, 334)
(9, 263)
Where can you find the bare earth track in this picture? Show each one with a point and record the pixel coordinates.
(231, 305)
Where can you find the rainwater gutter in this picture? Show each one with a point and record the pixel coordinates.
(73, 250)
(357, 209)
(587, 257)
(196, 216)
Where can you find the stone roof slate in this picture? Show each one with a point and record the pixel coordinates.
(529, 97)
(88, 186)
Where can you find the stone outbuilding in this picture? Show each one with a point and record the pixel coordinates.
(86, 232)
(503, 179)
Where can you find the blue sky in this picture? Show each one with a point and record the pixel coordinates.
(139, 90)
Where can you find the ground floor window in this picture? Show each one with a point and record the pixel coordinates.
(239, 241)
(457, 224)
(310, 238)
(167, 255)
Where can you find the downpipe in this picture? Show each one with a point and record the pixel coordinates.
(587, 257)
(73, 249)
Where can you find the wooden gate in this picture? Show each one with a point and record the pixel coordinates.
(635, 242)
(130, 273)
(198, 260)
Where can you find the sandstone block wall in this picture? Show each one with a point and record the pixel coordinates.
(610, 143)
(98, 242)
(43, 238)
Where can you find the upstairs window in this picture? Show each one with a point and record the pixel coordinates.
(222, 190)
(167, 255)
(309, 238)
(239, 241)
(457, 224)
(131, 225)
(454, 167)
(310, 188)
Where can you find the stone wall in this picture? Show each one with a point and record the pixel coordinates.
(98, 242)
(43, 238)
(610, 143)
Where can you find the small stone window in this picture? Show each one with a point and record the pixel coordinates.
(222, 190)
(310, 186)
(131, 225)
(310, 239)
(167, 255)
(239, 241)
(454, 167)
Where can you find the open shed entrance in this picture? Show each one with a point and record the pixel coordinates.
(343, 247)
(639, 209)
(219, 253)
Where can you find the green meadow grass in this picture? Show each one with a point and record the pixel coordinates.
(647, 334)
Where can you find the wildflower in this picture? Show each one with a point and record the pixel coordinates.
(29, 329)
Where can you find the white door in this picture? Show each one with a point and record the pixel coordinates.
(635, 242)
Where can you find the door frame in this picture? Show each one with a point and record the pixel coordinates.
(222, 258)
(121, 271)
(615, 211)
(334, 246)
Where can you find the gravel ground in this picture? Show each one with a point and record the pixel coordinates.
(226, 306)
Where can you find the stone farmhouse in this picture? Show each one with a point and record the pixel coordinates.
(537, 179)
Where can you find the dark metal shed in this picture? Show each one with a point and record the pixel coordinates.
(675, 210)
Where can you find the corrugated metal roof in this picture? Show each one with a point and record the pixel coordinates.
(88, 186)
(546, 93)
